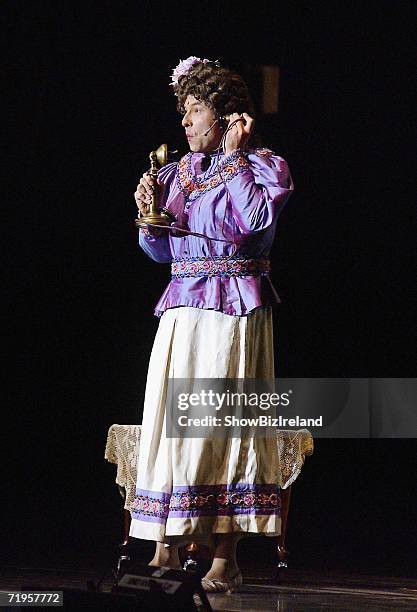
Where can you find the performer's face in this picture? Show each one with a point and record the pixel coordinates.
(197, 121)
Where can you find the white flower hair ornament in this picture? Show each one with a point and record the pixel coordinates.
(185, 65)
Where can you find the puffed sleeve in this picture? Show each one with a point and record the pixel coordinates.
(259, 187)
(158, 247)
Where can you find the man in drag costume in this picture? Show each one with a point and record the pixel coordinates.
(215, 322)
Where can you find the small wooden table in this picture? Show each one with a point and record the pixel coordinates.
(122, 449)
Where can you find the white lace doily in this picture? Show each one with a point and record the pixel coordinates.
(123, 442)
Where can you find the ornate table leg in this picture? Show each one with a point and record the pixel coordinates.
(126, 527)
(123, 553)
(282, 552)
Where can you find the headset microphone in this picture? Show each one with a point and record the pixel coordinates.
(211, 127)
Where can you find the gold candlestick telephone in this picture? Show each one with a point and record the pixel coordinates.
(156, 215)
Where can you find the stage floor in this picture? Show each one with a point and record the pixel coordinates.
(298, 590)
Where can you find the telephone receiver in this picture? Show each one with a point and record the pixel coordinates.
(224, 120)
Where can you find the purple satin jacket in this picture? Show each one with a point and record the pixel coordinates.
(240, 206)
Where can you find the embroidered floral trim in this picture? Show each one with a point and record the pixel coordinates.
(208, 500)
(219, 266)
(223, 499)
(153, 506)
(192, 186)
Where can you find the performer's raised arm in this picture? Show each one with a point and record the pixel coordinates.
(260, 188)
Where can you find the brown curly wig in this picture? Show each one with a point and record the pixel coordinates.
(219, 88)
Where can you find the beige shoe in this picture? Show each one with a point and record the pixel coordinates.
(214, 585)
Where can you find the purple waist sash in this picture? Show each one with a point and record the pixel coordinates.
(219, 266)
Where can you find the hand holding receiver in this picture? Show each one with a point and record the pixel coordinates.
(143, 198)
(238, 132)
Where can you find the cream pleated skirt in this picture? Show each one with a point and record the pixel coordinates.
(188, 489)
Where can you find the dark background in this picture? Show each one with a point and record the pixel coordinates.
(89, 98)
